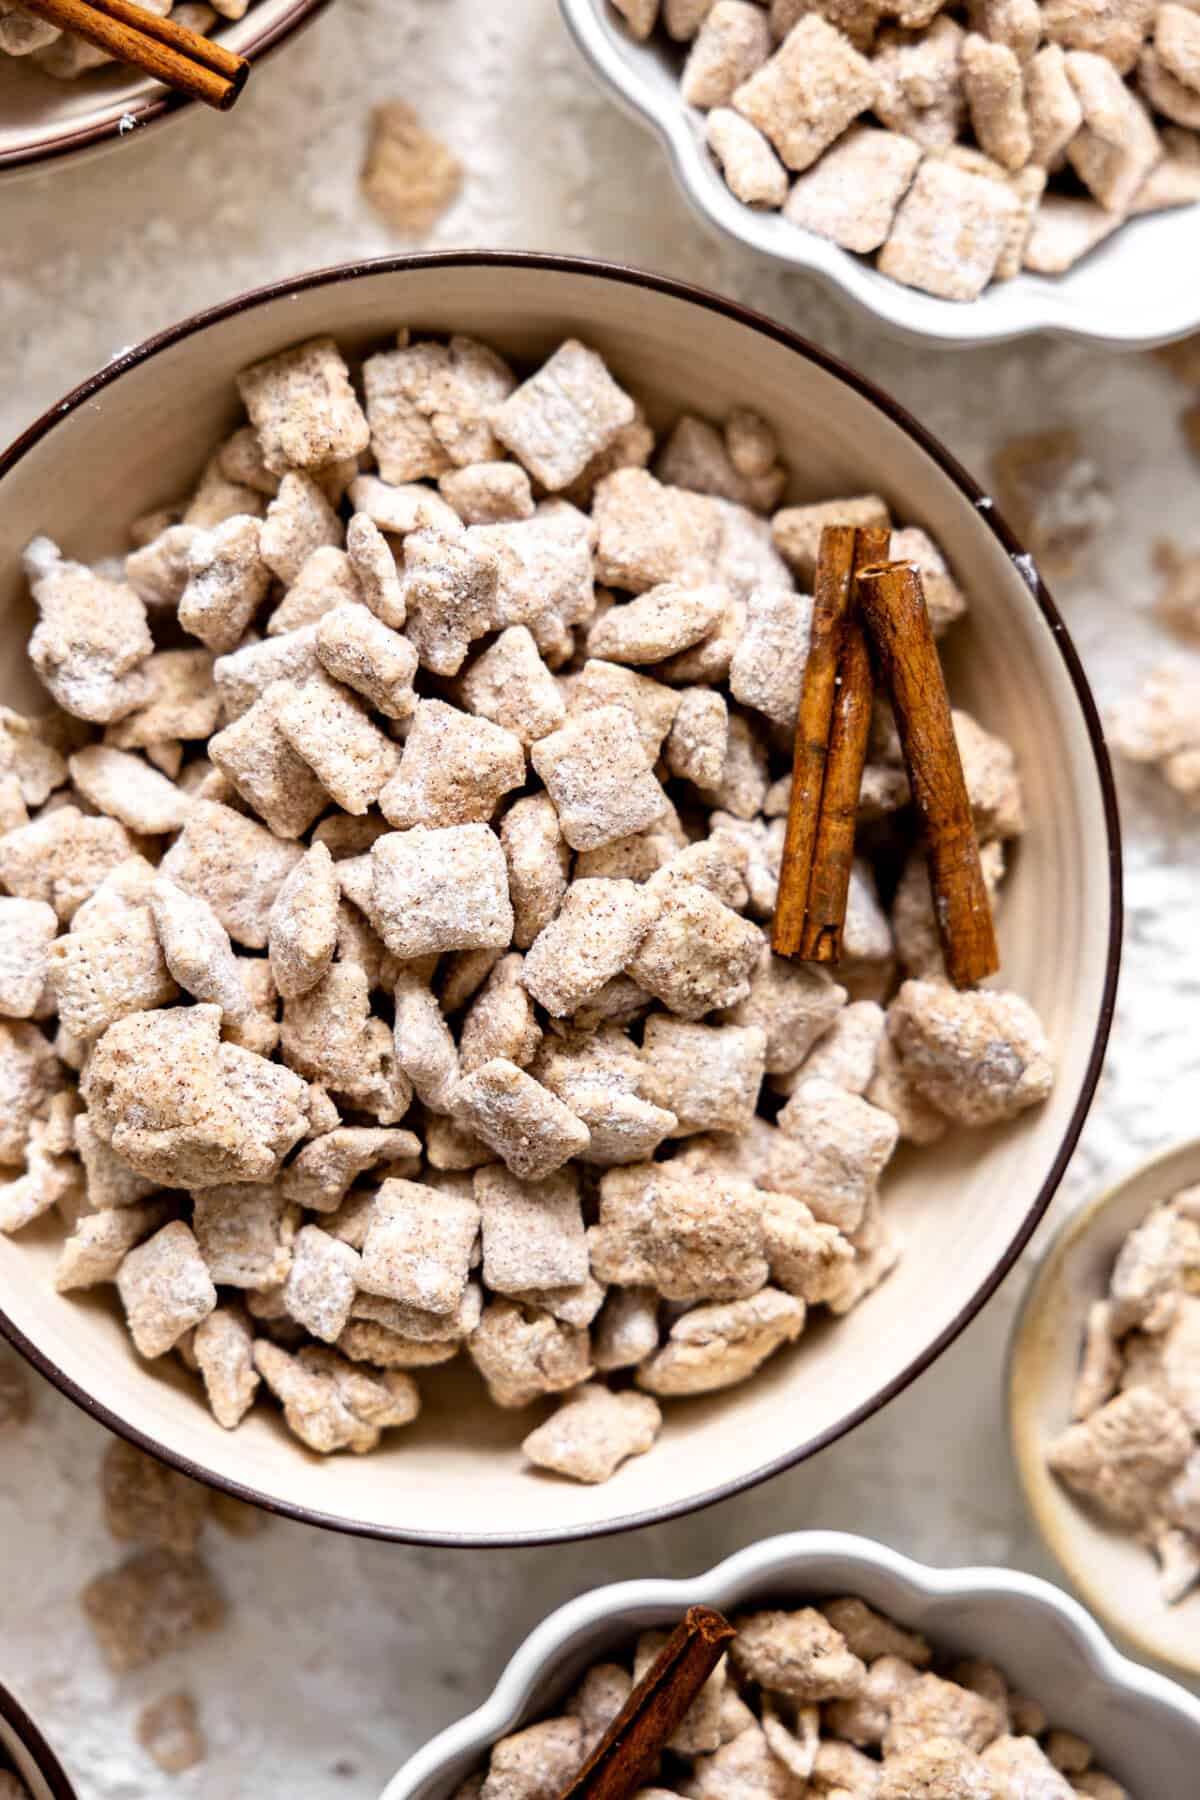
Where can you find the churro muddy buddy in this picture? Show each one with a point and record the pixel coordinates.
(385, 970)
(830, 1699)
(955, 145)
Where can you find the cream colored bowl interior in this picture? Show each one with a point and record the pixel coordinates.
(1112, 1573)
(43, 118)
(962, 1207)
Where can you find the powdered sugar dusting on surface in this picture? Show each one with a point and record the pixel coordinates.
(341, 1657)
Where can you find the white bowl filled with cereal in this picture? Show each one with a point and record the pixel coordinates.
(820, 1664)
(398, 1062)
(1102, 1405)
(966, 173)
(61, 97)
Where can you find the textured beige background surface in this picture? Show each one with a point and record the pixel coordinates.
(340, 1657)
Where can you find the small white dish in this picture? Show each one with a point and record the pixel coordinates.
(1110, 1570)
(1145, 1729)
(44, 121)
(1138, 289)
(24, 1748)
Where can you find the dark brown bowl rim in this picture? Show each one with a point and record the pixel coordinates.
(741, 315)
(48, 1765)
(151, 111)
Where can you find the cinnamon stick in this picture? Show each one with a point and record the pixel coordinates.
(896, 617)
(837, 819)
(183, 59)
(629, 1750)
(831, 597)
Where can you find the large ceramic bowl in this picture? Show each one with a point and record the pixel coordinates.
(43, 120)
(23, 1748)
(1114, 1574)
(1137, 289)
(1145, 1730)
(138, 432)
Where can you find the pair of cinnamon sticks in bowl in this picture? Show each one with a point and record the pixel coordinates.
(870, 627)
(182, 59)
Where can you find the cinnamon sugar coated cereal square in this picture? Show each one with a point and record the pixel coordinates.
(949, 232)
(811, 89)
(385, 974)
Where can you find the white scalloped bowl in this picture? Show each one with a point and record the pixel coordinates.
(1145, 1729)
(136, 435)
(44, 121)
(1141, 287)
(23, 1746)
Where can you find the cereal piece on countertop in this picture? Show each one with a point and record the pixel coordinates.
(329, 728)
(321, 1283)
(1050, 491)
(500, 1020)
(805, 96)
(768, 665)
(454, 770)
(707, 1075)
(1158, 724)
(409, 176)
(1052, 104)
(245, 1233)
(196, 948)
(733, 41)
(949, 232)
(599, 778)
(169, 1730)
(522, 1121)
(851, 194)
(688, 1234)
(698, 740)
(750, 166)
(532, 1232)
(235, 865)
(303, 407)
(165, 1288)
(563, 416)
(931, 1707)
(1117, 145)
(488, 493)
(449, 588)
(27, 929)
(91, 639)
(303, 923)
(658, 623)
(593, 1433)
(418, 1246)
(156, 1601)
(223, 1346)
(918, 89)
(147, 1503)
(326, 580)
(797, 529)
(698, 953)
(594, 936)
(522, 1353)
(227, 580)
(713, 1347)
(265, 770)
(995, 90)
(244, 675)
(441, 890)
(979, 1057)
